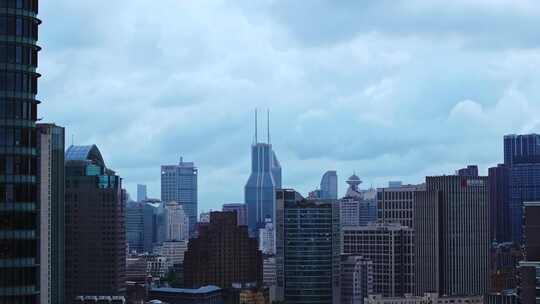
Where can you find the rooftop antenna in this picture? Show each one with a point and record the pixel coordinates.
(72, 139)
(268, 125)
(256, 125)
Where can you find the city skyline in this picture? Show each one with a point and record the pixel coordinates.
(344, 85)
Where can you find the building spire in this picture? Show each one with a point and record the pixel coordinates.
(268, 125)
(256, 126)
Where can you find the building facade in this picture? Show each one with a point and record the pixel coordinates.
(135, 226)
(19, 273)
(154, 224)
(390, 247)
(428, 298)
(329, 185)
(203, 295)
(51, 174)
(452, 237)
(524, 181)
(174, 252)
(356, 279)
(222, 254)
(267, 238)
(95, 248)
(176, 222)
(396, 204)
(531, 231)
(141, 193)
(241, 212)
(307, 249)
(520, 146)
(179, 184)
(500, 231)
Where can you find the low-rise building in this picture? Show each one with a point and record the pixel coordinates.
(428, 298)
(204, 295)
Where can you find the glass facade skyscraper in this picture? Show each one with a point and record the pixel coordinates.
(19, 231)
(524, 186)
(179, 184)
(307, 249)
(520, 146)
(260, 188)
(329, 185)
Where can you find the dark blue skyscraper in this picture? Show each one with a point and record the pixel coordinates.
(520, 146)
(498, 204)
(524, 186)
(19, 208)
(307, 249)
(260, 188)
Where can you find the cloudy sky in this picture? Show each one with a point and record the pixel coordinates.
(393, 90)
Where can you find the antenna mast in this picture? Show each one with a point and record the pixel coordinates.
(256, 126)
(268, 125)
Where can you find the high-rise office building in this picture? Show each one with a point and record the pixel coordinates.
(154, 224)
(500, 231)
(241, 212)
(176, 222)
(307, 249)
(329, 185)
(390, 247)
(356, 279)
(95, 248)
(260, 189)
(174, 252)
(396, 204)
(19, 243)
(141, 193)
(452, 243)
(350, 211)
(524, 185)
(222, 254)
(520, 147)
(50, 139)
(135, 226)
(179, 184)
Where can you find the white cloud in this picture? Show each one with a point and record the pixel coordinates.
(387, 89)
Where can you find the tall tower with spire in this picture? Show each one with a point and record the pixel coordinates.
(265, 178)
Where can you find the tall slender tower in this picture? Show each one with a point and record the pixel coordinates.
(261, 186)
(179, 184)
(50, 139)
(19, 209)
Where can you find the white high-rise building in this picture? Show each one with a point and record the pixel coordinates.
(267, 238)
(176, 222)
